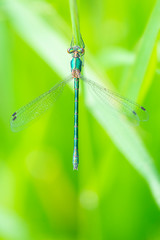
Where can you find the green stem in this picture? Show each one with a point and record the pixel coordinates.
(77, 40)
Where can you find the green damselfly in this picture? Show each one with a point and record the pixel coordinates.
(21, 118)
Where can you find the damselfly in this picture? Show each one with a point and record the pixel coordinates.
(21, 118)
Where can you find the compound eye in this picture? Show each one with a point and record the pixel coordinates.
(70, 50)
(80, 50)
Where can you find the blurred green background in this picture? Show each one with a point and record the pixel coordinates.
(116, 192)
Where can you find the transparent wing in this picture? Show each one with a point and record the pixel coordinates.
(21, 118)
(132, 110)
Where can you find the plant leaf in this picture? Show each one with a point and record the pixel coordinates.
(147, 51)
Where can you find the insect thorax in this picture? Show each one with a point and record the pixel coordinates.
(76, 63)
(76, 73)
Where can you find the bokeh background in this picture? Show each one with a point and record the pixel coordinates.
(111, 196)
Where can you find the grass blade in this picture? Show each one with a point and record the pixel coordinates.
(75, 23)
(138, 76)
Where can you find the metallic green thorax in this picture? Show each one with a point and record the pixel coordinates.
(76, 65)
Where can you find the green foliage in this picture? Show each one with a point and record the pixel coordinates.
(41, 197)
